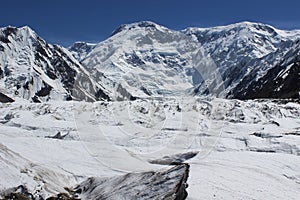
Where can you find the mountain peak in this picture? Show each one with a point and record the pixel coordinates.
(16, 29)
(239, 25)
(246, 26)
(141, 24)
(80, 49)
(27, 28)
(9, 30)
(24, 32)
(80, 44)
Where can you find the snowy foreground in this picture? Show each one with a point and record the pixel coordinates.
(235, 149)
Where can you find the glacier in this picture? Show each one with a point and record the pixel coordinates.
(237, 146)
(151, 113)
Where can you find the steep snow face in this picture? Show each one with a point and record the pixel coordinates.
(150, 60)
(245, 52)
(32, 69)
(241, 42)
(256, 39)
(145, 59)
(281, 81)
(80, 49)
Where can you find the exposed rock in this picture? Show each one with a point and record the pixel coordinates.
(282, 81)
(174, 159)
(18, 193)
(57, 136)
(266, 135)
(32, 69)
(243, 60)
(164, 184)
(81, 49)
(5, 99)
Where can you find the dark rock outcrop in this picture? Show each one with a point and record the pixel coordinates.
(176, 159)
(5, 99)
(280, 82)
(168, 184)
(18, 193)
(35, 70)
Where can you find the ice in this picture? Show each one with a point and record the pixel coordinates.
(246, 149)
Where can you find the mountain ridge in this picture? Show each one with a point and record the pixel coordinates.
(144, 59)
(35, 70)
(233, 49)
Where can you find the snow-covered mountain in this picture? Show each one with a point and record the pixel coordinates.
(282, 80)
(145, 59)
(151, 60)
(246, 52)
(222, 148)
(32, 69)
(81, 49)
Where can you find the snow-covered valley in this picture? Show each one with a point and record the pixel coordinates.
(235, 149)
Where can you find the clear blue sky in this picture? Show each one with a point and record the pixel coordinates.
(66, 21)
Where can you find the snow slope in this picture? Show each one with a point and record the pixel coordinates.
(145, 59)
(151, 60)
(81, 49)
(32, 69)
(245, 52)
